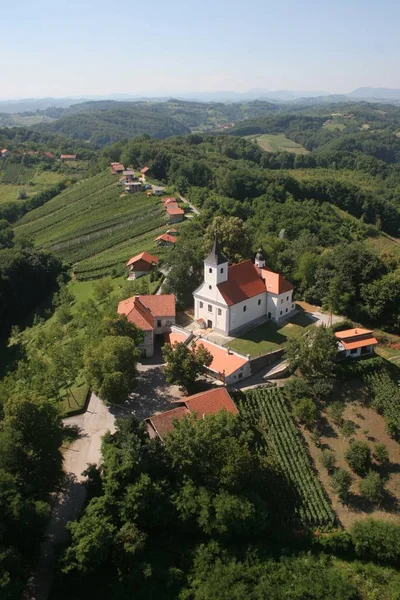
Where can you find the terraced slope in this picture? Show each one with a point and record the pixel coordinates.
(93, 226)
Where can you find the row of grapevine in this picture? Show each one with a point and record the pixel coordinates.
(265, 408)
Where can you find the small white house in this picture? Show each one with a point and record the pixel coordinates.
(353, 343)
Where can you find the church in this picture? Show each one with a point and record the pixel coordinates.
(232, 297)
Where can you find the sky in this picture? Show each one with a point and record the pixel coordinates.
(97, 47)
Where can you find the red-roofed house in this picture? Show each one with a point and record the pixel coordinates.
(68, 157)
(49, 155)
(117, 168)
(141, 264)
(165, 240)
(145, 171)
(153, 314)
(4, 153)
(227, 365)
(203, 404)
(174, 212)
(355, 342)
(232, 297)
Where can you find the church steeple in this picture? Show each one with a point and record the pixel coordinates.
(216, 256)
(215, 265)
(259, 259)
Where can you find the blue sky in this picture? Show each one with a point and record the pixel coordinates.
(83, 47)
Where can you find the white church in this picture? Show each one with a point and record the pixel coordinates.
(232, 297)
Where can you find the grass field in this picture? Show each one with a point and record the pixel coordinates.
(278, 143)
(333, 126)
(20, 121)
(11, 183)
(269, 336)
(96, 228)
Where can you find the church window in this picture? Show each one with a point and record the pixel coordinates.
(259, 301)
(210, 270)
(287, 298)
(209, 308)
(281, 300)
(210, 287)
(292, 305)
(280, 313)
(244, 308)
(219, 312)
(222, 269)
(286, 310)
(201, 305)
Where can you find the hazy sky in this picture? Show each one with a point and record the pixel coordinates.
(81, 47)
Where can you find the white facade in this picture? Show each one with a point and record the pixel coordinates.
(279, 306)
(249, 310)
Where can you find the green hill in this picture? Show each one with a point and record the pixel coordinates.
(95, 227)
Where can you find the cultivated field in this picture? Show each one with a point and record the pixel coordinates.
(94, 227)
(304, 500)
(16, 177)
(278, 143)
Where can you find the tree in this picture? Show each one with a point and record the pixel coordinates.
(185, 364)
(232, 236)
(110, 367)
(313, 354)
(102, 289)
(377, 540)
(372, 487)
(341, 482)
(358, 457)
(305, 411)
(296, 388)
(118, 325)
(381, 299)
(381, 454)
(328, 460)
(6, 234)
(335, 412)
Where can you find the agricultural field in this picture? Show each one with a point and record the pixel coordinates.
(277, 143)
(305, 501)
(15, 178)
(332, 125)
(94, 227)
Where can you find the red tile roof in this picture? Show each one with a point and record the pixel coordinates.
(174, 210)
(68, 156)
(210, 402)
(223, 361)
(164, 422)
(275, 283)
(137, 313)
(356, 338)
(205, 403)
(175, 336)
(168, 199)
(49, 154)
(243, 282)
(145, 256)
(144, 170)
(165, 237)
(162, 305)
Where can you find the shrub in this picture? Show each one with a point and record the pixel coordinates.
(341, 482)
(372, 487)
(358, 457)
(305, 411)
(348, 428)
(335, 412)
(322, 388)
(336, 542)
(296, 388)
(328, 460)
(381, 454)
(377, 540)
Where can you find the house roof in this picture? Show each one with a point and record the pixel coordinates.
(162, 305)
(128, 172)
(168, 199)
(356, 338)
(4, 150)
(173, 337)
(165, 237)
(136, 312)
(224, 360)
(210, 402)
(49, 154)
(162, 423)
(170, 202)
(174, 210)
(173, 230)
(149, 258)
(205, 403)
(243, 282)
(68, 156)
(144, 170)
(275, 283)
(216, 257)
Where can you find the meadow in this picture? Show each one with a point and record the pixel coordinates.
(16, 177)
(94, 227)
(278, 143)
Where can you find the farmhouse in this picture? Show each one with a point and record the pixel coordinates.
(48, 155)
(165, 240)
(68, 157)
(205, 403)
(141, 264)
(157, 190)
(117, 168)
(145, 170)
(355, 342)
(133, 186)
(4, 153)
(232, 297)
(175, 213)
(153, 314)
(169, 200)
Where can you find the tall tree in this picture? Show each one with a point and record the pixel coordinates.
(185, 364)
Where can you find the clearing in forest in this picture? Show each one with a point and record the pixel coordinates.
(279, 143)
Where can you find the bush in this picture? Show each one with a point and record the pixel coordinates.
(372, 487)
(296, 388)
(347, 428)
(377, 540)
(335, 412)
(358, 457)
(322, 388)
(381, 454)
(341, 482)
(328, 460)
(337, 542)
(342, 325)
(305, 411)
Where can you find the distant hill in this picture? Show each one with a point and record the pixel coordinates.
(377, 93)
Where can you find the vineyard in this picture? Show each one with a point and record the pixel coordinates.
(15, 173)
(94, 228)
(265, 409)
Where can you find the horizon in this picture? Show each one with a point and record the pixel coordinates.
(214, 47)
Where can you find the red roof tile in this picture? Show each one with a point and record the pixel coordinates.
(174, 210)
(356, 338)
(275, 283)
(210, 402)
(144, 170)
(175, 336)
(149, 258)
(165, 237)
(137, 313)
(223, 361)
(350, 333)
(162, 305)
(164, 422)
(68, 156)
(49, 154)
(168, 199)
(243, 282)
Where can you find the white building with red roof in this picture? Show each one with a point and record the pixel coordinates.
(153, 314)
(355, 342)
(232, 297)
(201, 405)
(141, 264)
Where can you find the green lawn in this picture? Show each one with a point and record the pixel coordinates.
(333, 126)
(39, 182)
(74, 399)
(279, 143)
(269, 336)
